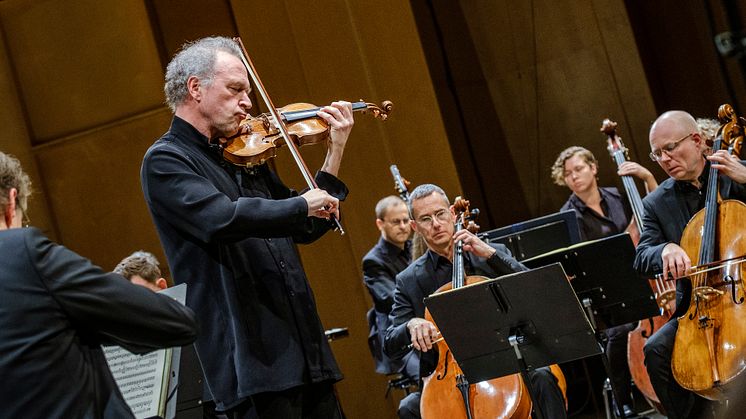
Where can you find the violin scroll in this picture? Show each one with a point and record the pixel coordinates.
(381, 112)
(732, 131)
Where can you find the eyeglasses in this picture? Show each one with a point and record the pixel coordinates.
(397, 221)
(669, 148)
(442, 215)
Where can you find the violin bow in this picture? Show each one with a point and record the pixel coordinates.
(310, 181)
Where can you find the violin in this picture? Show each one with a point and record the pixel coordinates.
(259, 136)
(278, 122)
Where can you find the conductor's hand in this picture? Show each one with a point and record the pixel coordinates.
(474, 244)
(423, 333)
(675, 261)
(321, 204)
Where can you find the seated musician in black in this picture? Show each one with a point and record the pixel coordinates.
(603, 212)
(679, 148)
(380, 266)
(433, 218)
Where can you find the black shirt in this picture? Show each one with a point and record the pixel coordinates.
(230, 234)
(593, 225)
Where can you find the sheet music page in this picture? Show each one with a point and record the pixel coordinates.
(140, 378)
(143, 379)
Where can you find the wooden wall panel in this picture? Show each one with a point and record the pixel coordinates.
(554, 74)
(81, 63)
(93, 183)
(174, 25)
(685, 70)
(15, 140)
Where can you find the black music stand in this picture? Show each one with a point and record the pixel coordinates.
(515, 323)
(537, 236)
(603, 277)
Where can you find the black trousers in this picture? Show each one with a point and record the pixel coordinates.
(548, 394)
(409, 407)
(616, 352)
(311, 401)
(678, 402)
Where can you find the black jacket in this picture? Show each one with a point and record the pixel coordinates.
(665, 216)
(380, 267)
(230, 235)
(419, 281)
(56, 309)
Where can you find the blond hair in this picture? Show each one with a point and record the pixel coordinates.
(558, 168)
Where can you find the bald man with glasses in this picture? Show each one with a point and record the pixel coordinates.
(680, 149)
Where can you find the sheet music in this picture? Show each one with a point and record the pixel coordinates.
(140, 379)
(144, 379)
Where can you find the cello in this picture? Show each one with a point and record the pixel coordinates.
(665, 293)
(446, 393)
(709, 354)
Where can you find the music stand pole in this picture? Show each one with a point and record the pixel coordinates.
(587, 305)
(514, 340)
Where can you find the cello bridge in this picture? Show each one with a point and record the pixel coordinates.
(706, 293)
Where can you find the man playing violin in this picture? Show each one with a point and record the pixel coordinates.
(679, 148)
(230, 234)
(434, 218)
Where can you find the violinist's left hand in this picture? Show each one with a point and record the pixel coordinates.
(339, 117)
(729, 165)
(474, 244)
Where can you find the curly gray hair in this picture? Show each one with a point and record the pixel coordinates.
(196, 59)
(13, 176)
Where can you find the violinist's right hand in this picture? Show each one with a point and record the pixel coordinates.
(423, 333)
(321, 204)
(675, 261)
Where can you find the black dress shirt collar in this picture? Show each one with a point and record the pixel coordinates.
(186, 135)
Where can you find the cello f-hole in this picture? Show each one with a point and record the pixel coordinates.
(445, 371)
